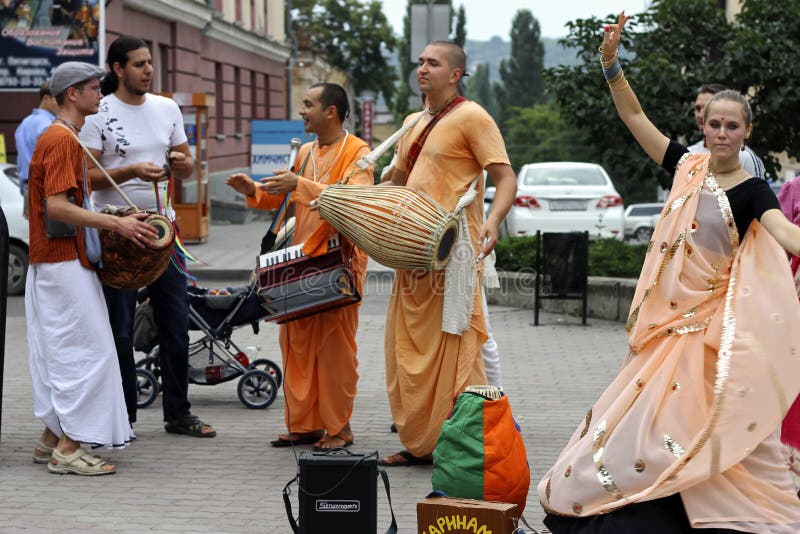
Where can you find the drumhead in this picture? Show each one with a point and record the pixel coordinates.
(163, 226)
(447, 241)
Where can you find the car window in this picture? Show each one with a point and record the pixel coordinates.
(641, 211)
(11, 172)
(574, 176)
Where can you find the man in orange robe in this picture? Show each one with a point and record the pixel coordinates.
(319, 401)
(426, 368)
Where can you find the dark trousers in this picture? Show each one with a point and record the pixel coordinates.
(170, 303)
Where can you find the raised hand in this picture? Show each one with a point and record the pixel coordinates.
(612, 35)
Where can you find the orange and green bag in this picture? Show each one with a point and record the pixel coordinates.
(480, 453)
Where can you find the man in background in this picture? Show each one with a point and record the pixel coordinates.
(28, 132)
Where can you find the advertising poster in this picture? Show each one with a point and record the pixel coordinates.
(38, 35)
(270, 145)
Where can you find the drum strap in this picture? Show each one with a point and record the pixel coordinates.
(416, 146)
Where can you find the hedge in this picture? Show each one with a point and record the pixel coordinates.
(607, 257)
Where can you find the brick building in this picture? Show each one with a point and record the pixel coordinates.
(235, 49)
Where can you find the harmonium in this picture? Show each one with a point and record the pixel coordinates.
(290, 285)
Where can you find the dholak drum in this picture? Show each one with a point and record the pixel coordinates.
(128, 266)
(398, 227)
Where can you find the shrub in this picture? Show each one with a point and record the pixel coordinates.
(607, 257)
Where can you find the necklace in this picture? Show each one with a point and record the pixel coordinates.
(322, 175)
(440, 108)
(718, 172)
(68, 123)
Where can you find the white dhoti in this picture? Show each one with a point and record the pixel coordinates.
(77, 388)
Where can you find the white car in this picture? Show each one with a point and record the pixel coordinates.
(566, 197)
(11, 203)
(641, 219)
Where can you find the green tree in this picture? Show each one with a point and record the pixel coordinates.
(522, 73)
(763, 62)
(539, 133)
(479, 89)
(665, 59)
(460, 36)
(352, 36)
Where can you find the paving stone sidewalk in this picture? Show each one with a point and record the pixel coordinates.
(233, 483)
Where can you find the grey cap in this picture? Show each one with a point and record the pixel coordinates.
(71, 73)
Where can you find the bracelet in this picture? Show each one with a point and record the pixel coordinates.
(612, 72)
(606, 63)
(621, 88)
(616, 78)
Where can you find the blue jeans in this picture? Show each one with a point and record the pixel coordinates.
(170, 303)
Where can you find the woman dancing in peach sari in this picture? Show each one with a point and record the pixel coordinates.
(686, 436)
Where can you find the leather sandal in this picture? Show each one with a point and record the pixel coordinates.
(191, 425)
(79, 462)
(42, 453)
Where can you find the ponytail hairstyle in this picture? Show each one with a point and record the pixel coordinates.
(118, 53)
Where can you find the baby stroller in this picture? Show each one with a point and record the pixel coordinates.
(214, 358)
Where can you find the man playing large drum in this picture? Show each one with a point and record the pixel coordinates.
(319, 400)
(441, 156)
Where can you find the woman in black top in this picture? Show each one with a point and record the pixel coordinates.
(685, 437)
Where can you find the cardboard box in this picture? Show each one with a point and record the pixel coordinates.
(447, 515)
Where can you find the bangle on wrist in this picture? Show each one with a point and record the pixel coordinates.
(616, 78)
(613, 72)
(613, 90)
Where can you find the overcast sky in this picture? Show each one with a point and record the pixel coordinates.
(487, 18)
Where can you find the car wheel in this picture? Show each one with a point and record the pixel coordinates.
(17, 269)
(643, 234)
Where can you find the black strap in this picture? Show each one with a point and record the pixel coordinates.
(268, 241)
(286, 493)
(393, 527)
(293, 523)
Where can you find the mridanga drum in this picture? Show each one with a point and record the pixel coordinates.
(398, 227)
(125, 264)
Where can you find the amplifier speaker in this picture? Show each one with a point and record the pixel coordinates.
(338, 492)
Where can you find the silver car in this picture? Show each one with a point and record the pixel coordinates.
(566, 197)
(11, 202)
(640, 219)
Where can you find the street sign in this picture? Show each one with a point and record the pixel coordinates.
(270, 145)
(429, 22)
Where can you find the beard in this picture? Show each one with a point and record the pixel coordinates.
(131, 89)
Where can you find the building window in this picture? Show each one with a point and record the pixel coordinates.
(220, 101)
(237, 96)
(267, 107)
(163, 63)
(254, 107)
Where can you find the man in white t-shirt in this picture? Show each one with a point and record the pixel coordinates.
(749, 160)
(134, 135)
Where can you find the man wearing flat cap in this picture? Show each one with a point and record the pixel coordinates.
(77, 390)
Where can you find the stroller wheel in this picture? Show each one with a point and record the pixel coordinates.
(146, 388)
(270, 367)
(257, 389)
(150, 362)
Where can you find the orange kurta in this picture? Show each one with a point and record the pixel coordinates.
(426, 368)
(321, 396)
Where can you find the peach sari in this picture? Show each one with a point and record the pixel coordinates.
(714, 356)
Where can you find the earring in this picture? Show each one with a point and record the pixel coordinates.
(744, 143)
(705, 145)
